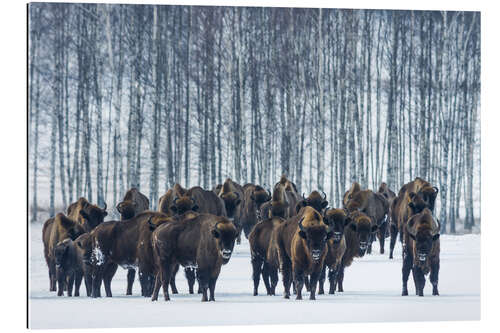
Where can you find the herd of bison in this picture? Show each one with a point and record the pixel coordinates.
(299, 236)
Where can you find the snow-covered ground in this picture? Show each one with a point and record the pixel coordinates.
(372, 284)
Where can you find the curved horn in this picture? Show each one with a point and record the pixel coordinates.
(105, 206)
(118, 207)
(303, 197)
(237, 195)
(324, 195)
(151, 224)
(301, 227)
(269, 192)
(436, 189)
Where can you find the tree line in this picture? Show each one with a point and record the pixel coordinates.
(148, 96)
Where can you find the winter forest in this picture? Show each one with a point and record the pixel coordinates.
(147, 96)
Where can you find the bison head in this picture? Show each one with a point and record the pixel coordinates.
(225, 234)
(260, 195)
(61, 252)
(428, 195)
(314, 200)
(68, 227)
(316, 237)
(337, 220)
(126, 209)
(93, 215)
(183, 204)
(421, 231)
(362, 225)
(231, 201)
(83, 244)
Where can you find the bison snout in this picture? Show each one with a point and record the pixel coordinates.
(363, 245)
(337, 236)
(422, 256)
(226, 254)
(316, 254)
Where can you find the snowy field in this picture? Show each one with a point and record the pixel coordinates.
(372, 294)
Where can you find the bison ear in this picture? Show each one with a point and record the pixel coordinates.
(215, 233)
(105, 213)
(353, 226)
(119, 208)
(411, 205)
(374, 228)
(302, 234)
(435, 237)
(299, 205)
(324, 204)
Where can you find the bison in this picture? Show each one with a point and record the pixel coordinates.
(376, 206)
(355, 187)
(232, 195)
(337, 219)
(206, 201)
(55, 230)
(250, 213)
(69, 267)
(204, 241)
(133, 203)
(260, 240)
(302, 249)
(315, 200)
(87, 214)
(283, 201)
(412, 198)
(422, 256)
(358, 235)
(127, 244)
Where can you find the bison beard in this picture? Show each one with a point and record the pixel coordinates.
(204, 241)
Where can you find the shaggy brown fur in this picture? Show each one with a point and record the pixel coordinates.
(302, 249)
(355, 187)
(376, 206)
(412, 198)
(261, 241)
(282, 203)
(358, 234)
(55, 230)
(87, 214)
(337, 219)
(423, 253)
(233, 196)
(207, 201)
(133, 203)
(253, 198)
(69, 267)
(205, 241)
(83, 246)
(127, 244)
(166, 201)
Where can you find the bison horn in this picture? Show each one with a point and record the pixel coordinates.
(303, 197)
(151, 224)
(436, 189)
(105, 206)
(301, 227)
(269, 192)
(324, 195)
(237, 195)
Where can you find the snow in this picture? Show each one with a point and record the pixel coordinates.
(372, 294)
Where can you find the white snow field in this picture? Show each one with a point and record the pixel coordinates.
(372, 294)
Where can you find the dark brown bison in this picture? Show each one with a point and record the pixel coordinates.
(87, 214)
(69, 267)
(337, 220)
(127, 244)
(250, 213)
(376, 206)
(206, 201)
(260, 240)
(302, 248)
(386, 192)
(55, 230)
(358, 235)
(133, 203)
(423, 252)
(315, 200)
(166, 203)
(83, 246)
(283, 201)
(232, 195)
(355, 187)
(204, 241)
(412, 198)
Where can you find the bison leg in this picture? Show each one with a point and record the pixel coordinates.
(172, 279)
(211, 286)
(298, 277)
(265, 277)
(166, 275)
(190, 273)
(407, 265)
(156, 289)
(340, 278)
(287, 277)
(394, 236)
(203, 281)
(96, 283)
(61, 277)
(130, 281)
(109, 272)
(306, 283)
(332, 278)
(313, 283)
(434, 277)
(419, 278)
(52, 277)
(256, 271)
(321, 281)
(381, 236)
(78, 282)
(88, 283)
(273, 274)
(70, 280)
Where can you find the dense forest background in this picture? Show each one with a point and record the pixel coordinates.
(147, 96)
